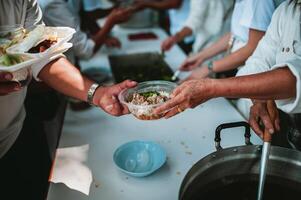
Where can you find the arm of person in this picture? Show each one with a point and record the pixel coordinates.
(61, 75)
(117, 16)
(178, 37)
(158, 5)
(216, 48)
(278, 84)
(239, 57)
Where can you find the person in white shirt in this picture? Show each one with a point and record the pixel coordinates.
(208, 20)
(178, 12)
(273, 72)
(250, 20)
(57, 73)
(67, 13)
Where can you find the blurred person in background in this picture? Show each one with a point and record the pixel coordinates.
(250, 20)
(68, 13)
(273, 72)
(177, 11)
(208, 20)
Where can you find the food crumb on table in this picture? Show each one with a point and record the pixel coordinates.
(178, 173)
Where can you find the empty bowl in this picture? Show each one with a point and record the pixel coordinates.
(139, 158)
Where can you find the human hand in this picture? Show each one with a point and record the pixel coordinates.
(260, 118)
(192, 62)
(112, 42)
(107, 98)
(199, 73)
(168, 43)
(6, 85)
(120, 15)
(188, 95)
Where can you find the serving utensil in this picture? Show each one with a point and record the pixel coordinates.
(175, 75)
(267, 138)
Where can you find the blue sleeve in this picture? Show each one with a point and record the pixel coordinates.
(258, 14)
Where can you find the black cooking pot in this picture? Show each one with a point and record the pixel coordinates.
(233, 173)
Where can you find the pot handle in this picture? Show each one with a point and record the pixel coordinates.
(221, 127)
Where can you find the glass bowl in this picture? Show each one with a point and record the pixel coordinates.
(145, 112)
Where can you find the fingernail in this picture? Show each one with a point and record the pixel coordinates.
(271, 131)
(8, 77)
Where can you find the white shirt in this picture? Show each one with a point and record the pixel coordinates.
(251, 14)
(209, 20)
(62, 13)
(280, 47)
(178, 16)
(12, 112)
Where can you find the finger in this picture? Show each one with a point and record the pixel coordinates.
(176, 91)
(6, 88)
(277, 124)
(5, 76)
(169, 105)
(126, 84)
(171, 113)
(267, 123)
(255, 126)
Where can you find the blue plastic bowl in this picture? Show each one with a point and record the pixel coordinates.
(139, 158)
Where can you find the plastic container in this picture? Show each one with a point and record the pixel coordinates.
(145, 112)
(62, 34)
(139, 158)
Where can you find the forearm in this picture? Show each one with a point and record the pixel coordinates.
(233, 60)
(62, 76)
(272, 85)
(101, 35)
(218, 47)
(186, 31)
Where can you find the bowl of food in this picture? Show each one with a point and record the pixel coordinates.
(139, 158)
(145, 97)
(17, 65)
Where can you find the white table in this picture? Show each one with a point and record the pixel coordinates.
(186, 138)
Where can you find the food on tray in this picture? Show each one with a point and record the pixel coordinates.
(31, 39)
(43, 46)
(140, 67)
(8, 60)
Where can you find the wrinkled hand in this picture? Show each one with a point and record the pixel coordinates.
(7, 87)
(191, 63)
(188, 95)
(112, 42)
(168, 43)
(120, 15)
(260, 118)
(199, 73)
(107, 98)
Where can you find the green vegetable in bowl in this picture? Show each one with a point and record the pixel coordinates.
(149, 94)
(8, 60)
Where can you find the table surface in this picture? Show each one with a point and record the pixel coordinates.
(186, 138)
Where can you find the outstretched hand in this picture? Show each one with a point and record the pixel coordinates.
(107, 98)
